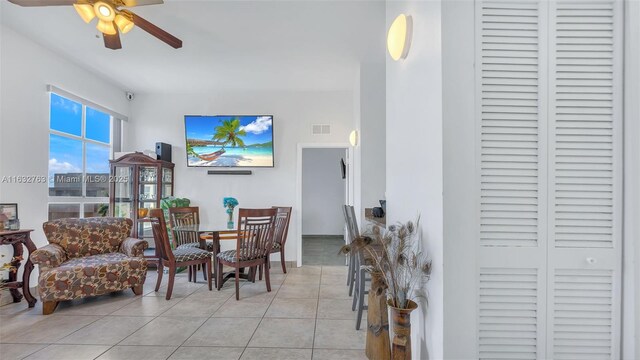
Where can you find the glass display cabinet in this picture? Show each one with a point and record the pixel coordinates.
(138, 183)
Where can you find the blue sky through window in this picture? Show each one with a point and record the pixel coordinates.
(98, 126)
(66, 115)
(65, 153)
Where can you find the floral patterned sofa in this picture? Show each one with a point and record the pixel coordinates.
(88, 257)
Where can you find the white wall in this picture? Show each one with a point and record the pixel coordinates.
(323, 192)
(414, 156)
(160, 117)
(372, 142)
(460, 214)
(26, 69)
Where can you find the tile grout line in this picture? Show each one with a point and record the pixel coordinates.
(263, 316)
(315, 325)
(154, 318)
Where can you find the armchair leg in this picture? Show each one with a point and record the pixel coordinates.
(48, 307)
(137, 289)
(219, 275)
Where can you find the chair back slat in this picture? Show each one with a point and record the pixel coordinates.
(255, 232)
(283, 217)
(180, 216)
(350, 220)
(160, 235)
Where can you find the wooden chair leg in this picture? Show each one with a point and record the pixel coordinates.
(190, 273)
(137, 289)
(172, 277)
(160, 272)
(266, 276)
(48, 307)
(284, 267)
(237, 283)
(219, 275)
(208, 269)
(260, 272)
(204, 271)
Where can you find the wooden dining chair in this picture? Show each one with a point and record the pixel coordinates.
(280, 235)
(185, 256)
(253, 245)
(188, 215)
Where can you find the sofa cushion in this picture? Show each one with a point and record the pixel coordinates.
(89, 236)
(92, 275)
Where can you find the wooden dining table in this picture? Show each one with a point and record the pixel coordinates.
(212, 232)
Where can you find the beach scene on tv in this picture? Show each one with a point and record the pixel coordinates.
(229, 141)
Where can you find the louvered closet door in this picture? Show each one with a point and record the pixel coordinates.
(512, 239)
(585, 179)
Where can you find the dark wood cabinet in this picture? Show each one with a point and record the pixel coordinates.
(139, 182)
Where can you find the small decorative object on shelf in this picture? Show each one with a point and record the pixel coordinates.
(395, 257)
(230, 203)
(8, 214)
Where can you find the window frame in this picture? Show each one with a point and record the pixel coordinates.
(115, 140)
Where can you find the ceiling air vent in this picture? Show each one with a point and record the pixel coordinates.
(321, 129)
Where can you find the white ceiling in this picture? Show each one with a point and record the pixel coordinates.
(236, 45)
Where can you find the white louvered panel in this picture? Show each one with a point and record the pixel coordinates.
(583, 314)
(508, 313)
(583, 124)
(509, 131)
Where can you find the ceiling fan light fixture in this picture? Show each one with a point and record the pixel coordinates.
(85, 11)
(124, 24)
(104, 11)
(106, 27)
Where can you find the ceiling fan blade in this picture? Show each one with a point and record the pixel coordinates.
(112, 41)
(132, 3)
(155, 31)
(43, 2)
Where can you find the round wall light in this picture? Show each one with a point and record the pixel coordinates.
(399, 37)
(353, 138)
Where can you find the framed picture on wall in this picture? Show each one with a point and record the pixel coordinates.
(10, 211)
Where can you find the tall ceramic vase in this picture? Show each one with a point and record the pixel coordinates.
(401, 346)
(378, 343)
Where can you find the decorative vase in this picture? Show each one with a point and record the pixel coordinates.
(401, 346)
(230, 224)
(378, 343)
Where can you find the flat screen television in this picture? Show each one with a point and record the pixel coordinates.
(229, 140)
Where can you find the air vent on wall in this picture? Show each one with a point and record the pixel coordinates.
(321, 129)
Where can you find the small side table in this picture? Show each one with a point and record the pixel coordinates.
(18, 238)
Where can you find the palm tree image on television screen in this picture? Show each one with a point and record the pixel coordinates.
(229, 141)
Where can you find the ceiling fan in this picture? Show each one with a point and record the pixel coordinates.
(111, 19)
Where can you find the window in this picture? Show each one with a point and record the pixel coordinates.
(81, 143)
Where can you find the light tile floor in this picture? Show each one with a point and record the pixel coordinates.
(307, 315)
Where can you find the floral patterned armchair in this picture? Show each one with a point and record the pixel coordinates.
(88, 257)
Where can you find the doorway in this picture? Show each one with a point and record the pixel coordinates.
(324, 185)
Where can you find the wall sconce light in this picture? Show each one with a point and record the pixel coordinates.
(353, 138)
(399, 37)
